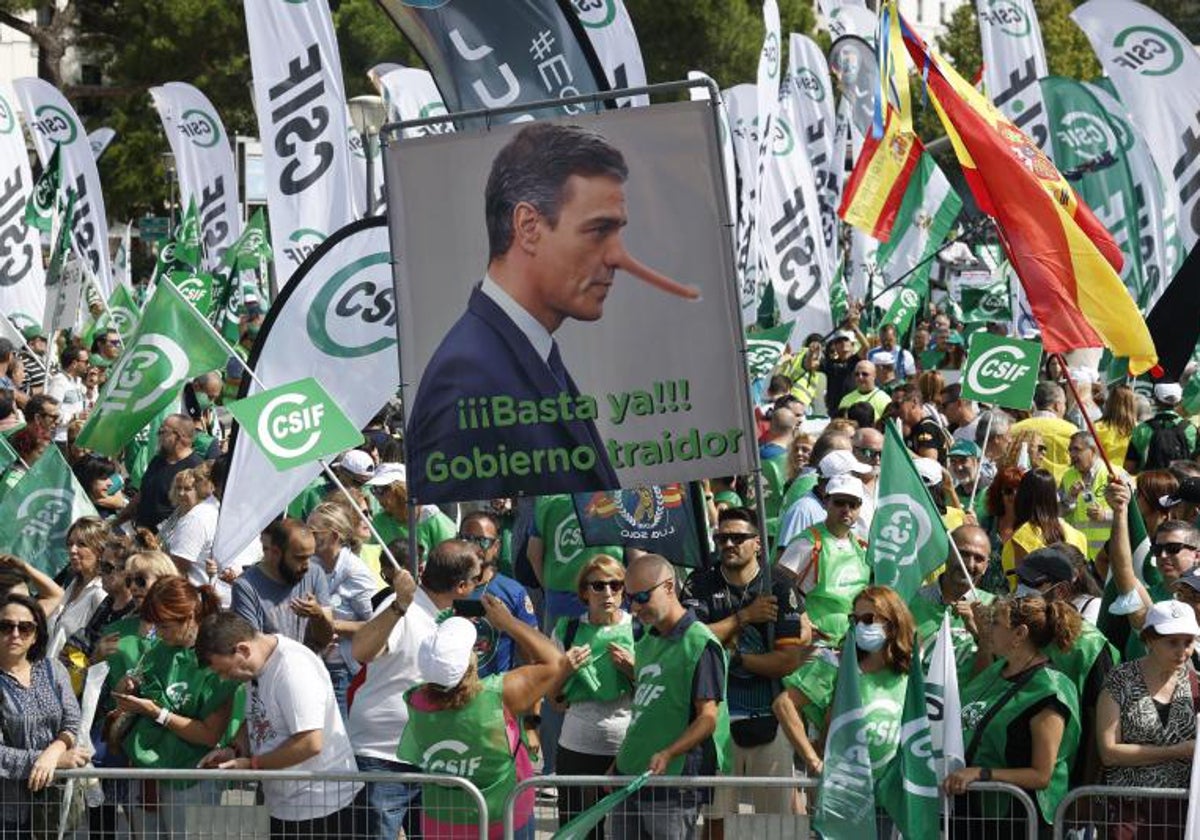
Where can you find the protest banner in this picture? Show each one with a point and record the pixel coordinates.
(661, 520)
(296, 424)
(1001, 371)
(54, 124)
(22, 278)
(647, 402)
(335, 322)
(304, 125)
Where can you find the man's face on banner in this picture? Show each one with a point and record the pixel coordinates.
(575, 259)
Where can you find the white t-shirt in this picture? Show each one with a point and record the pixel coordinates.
(378, 714)
(596, 728)
(191, 538)
(293, 694)
(72, 399)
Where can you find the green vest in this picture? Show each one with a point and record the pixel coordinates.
(774, 471)
(471, 743)
(176, 681)
(982, 693)
(1077, 662)
(612, 683)
(800, 487)
(565, 552)
(840, 575)
(662, 701)
(882, 699)
(928, 617)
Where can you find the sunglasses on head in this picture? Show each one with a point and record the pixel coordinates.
(642, 598)
(606, 585)
(731, 537)
(1169, 548)
(24, 628)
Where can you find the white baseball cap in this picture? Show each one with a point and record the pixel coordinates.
(388, 473)
(356, 462)
(845, 485)
(1171, 618)
(1168, 393)
(841, 462)
(930, 471)
(444, 657)
(886, 359)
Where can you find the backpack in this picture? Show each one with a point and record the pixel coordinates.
(1167, 443)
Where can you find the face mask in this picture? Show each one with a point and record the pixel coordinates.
(869, 637)
(203, 401)
(1024, 591)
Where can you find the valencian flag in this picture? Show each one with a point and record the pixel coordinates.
(35, 517)
(908, 539)
(1066, 261)
(172, 345)
(876, 188)
(39, 211)
(908, 790)
(661, 520)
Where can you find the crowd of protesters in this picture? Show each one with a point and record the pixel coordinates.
(323, 647)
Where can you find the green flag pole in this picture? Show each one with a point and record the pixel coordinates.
(324, 465)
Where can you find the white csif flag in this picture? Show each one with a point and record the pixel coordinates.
(1013, 61)
(22, 276)
(53, 122)
(304, 126)
(205, 162)
(945, 707)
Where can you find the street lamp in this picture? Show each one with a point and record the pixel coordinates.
(169, 171)
(368, 114)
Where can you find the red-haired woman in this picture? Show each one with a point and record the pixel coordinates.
(183, 707)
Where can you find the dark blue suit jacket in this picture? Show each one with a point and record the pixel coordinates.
(484, 355)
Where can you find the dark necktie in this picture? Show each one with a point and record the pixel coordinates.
(554, 360)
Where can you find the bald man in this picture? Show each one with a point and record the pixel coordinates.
(865, 390)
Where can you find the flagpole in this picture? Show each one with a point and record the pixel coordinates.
(1062, 361)
(104, 302)
(324, 466)
(25, 343)
(987, 434)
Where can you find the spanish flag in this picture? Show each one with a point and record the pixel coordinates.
(1067, 262)
(881, 174)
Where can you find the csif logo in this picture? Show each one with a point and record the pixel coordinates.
(997, 369)
(354, 313)
(153, 358)
(1007, 17)
(55, 124)
(290, 425)
(909, 298)
(595, 14)
(770, 51)
(193, 288)
(46, 514)
(8, 117)
(1087, 134)
(905, 528)
(1147, 50)
(123, 320)
(451, 757)
(811, 84)
(783, 139)
(305, 242)
(200, 128)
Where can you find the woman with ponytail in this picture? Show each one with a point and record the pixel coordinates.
(182, 708)
(1020, 716)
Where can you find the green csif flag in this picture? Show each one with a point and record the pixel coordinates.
(908, 539)
(172, 344)
(908, 790)
(764, 349)
(988, 304)
(583, 823)
(252, 248)
(196, 288)
(39, 210)
(846, 807)
(34, 518)
(187, 238)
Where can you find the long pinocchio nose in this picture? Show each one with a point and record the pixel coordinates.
(626, 262)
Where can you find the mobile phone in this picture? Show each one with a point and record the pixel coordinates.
(468, 608)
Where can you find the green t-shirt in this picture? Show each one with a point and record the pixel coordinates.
(433, 527)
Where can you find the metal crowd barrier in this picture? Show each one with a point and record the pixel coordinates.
(1021, 821)
(1103, 811)
(130, 804)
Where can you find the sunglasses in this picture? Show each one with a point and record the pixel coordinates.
(606, 585)
(868, 453)
(24, 628)
(867, 618)
(1009, 491)
(138, 580)
(109, 568)
(730, 537)
(642, 598)
(483, 542)
(1170, 549)
(850, 503)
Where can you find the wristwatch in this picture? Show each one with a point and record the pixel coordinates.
(397, 609)
(985, 774)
